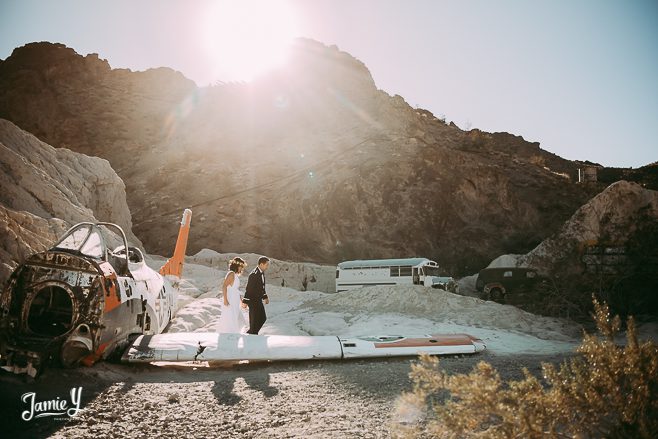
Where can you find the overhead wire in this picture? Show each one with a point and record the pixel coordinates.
(297, 173)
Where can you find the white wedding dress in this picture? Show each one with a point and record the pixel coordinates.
(232, 319)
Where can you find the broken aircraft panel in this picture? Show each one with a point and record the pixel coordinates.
(80, 301)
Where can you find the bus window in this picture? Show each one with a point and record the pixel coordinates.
(337, 273)
(431, 270)
(405, 271)
(395, 271)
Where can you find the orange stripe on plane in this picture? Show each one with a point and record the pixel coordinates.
(90, 359)
(111, 294)
(439, 340)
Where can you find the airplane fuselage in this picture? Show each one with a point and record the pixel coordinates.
(77, 309)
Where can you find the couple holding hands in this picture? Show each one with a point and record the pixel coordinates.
(232, 319)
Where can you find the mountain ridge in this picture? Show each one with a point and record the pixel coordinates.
(389, 180)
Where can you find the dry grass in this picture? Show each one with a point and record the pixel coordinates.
(607, 391)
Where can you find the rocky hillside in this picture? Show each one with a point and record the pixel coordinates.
(610, 247)
(596, 237)
(46, 190)
(309, 163)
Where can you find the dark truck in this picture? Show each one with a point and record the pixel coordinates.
(496, 283)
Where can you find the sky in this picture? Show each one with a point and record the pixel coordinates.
(578, 76)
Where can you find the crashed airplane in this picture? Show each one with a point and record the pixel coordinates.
(80, 301)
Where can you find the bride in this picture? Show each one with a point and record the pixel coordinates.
(232, 319)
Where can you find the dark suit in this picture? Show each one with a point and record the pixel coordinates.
(254, 296)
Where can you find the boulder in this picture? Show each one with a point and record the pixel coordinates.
(46, 190)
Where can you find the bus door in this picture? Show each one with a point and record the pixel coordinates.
(416, 275)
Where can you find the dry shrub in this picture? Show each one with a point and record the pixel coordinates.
(607, 391)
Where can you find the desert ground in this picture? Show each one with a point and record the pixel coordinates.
(280, 400)
(350, 398)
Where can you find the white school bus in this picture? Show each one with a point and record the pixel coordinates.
(409, 271)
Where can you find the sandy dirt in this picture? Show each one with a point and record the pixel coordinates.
(331, 399)
(323, 399)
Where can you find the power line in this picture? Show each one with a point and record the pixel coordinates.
(269, 183)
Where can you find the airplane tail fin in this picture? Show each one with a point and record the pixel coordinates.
(174, 266)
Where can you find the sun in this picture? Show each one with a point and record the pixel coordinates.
(247, 38)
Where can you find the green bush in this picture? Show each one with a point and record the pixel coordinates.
(606, 391)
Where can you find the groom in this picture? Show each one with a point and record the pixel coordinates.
(255, 295)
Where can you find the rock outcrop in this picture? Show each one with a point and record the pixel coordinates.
(608, 247)
(311, 162)
(46, 190)
(603, 236)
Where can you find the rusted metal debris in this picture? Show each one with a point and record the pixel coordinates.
(79, 302)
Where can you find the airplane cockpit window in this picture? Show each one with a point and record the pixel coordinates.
(97, 241)
(93, 246)
(111, 237)
(75, 238)
(84, 239)
(134, 254)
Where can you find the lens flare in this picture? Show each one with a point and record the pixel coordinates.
(247, 38)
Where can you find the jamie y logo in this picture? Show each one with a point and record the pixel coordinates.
(52, 407)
